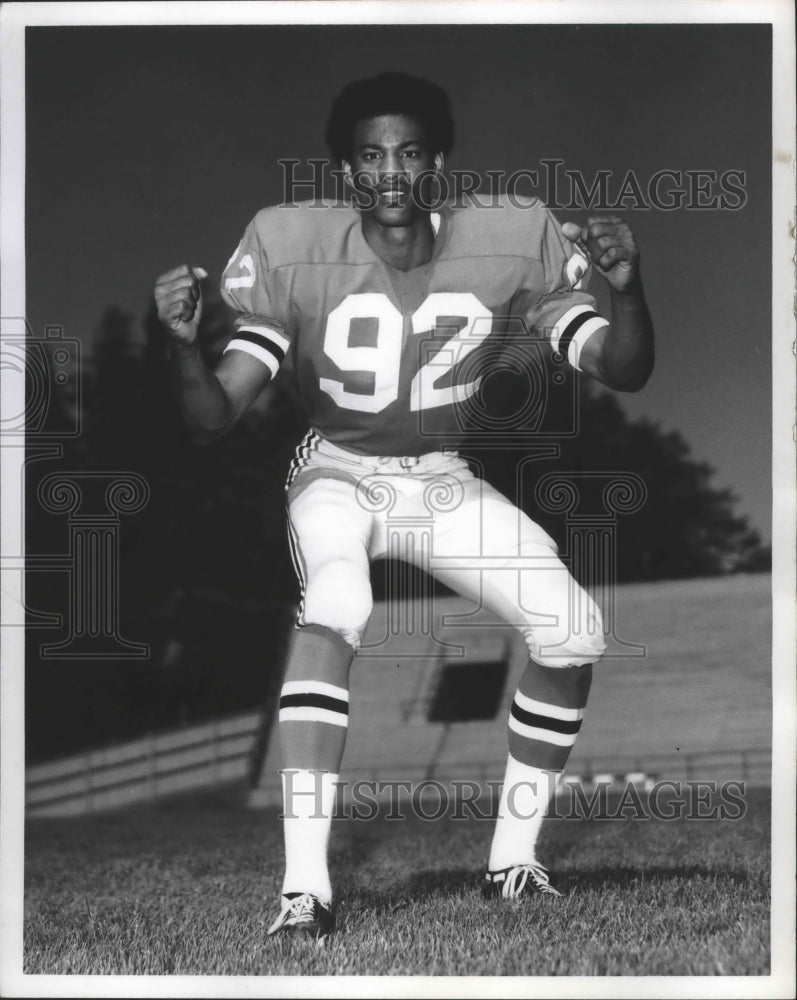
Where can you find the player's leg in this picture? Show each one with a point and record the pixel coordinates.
(516, 573)
(329, 536)
(545, 718)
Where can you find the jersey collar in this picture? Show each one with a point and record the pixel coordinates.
(440, 225)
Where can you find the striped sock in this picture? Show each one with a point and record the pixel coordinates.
(313, 719)
(544, 722)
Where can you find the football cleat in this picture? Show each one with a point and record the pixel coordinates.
(518, 880)
(304, 912)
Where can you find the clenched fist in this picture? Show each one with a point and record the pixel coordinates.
(610, 245)
(178, 296)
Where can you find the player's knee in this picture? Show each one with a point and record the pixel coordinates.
(339, 597)
(572, 643)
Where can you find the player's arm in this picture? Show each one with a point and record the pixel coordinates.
(619, 355)
(211, 401)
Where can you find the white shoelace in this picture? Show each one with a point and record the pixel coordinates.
(296, 911)
(518, 876)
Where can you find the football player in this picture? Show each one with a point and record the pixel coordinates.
(386, 306)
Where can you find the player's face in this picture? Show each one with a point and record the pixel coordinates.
(390, 155)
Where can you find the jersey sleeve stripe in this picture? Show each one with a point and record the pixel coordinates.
(261, 353)
(278, 339)
(581, 336)
(567, 325)
(246, 333)
(564, 321)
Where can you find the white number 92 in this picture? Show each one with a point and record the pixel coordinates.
(383, 359)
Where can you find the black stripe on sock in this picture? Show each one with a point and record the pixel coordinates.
(564, 726)
(572, 329)
(309, 700)
(261, 341)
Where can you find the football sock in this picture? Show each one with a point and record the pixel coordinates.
(544, 722)
(313, 720)
(309, 798)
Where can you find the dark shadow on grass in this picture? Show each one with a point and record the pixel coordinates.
(422, 885)
(622, 878)
(433, 883)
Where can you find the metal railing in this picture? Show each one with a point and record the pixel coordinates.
(165, 764)
(752, 765)
(221, 752)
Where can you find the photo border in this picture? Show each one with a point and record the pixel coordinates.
(14, 18)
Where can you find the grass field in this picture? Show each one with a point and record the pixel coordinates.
(189, 887)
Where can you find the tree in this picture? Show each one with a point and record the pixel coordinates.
(686, 527)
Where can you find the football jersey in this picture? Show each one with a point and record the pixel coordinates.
(387, 361)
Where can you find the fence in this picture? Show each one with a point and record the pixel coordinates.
(222, 752)
(752, 765)
(216, 753)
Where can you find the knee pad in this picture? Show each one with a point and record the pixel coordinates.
(339, 597)
(571, 643)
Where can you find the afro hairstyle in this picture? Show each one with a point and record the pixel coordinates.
(390, 93)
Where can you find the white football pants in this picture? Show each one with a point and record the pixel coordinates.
(345, 510)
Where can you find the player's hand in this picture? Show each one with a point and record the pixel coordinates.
(610, 245)
(178, 296)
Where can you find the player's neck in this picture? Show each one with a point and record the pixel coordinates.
(402, 247)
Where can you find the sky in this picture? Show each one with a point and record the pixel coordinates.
(149, 147)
